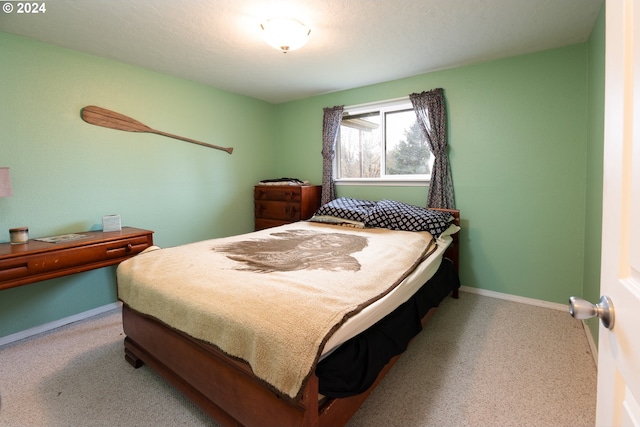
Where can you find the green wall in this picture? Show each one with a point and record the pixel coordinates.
(67, 174)
(517, 135)
(525, 138)
(595, 147)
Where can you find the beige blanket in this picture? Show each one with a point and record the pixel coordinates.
(272, 297)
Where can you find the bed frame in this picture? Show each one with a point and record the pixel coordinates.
(225, 387)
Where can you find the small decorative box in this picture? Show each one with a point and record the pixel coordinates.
(111, 223)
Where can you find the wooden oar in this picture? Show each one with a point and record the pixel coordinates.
(110, 119)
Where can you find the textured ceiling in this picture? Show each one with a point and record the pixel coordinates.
(353, 42)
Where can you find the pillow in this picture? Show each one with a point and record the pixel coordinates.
(401, 216)
(452, 229)
(347, 208)
(326, 219)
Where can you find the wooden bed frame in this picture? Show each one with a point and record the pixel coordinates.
(225, 387)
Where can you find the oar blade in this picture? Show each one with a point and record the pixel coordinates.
(110, 119)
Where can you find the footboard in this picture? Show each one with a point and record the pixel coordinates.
(226, 388)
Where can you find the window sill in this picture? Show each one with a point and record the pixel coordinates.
(384, 182)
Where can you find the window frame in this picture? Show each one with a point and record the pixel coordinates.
(392, 105)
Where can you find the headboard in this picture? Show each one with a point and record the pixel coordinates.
(453, 251)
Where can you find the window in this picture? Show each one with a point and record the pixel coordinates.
(382, 142)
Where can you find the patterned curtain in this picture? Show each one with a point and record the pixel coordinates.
(432, 116)
(330, 127)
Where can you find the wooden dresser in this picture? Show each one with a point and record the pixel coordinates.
(283, 204)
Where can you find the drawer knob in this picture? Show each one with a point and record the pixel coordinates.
(129, 247)
(292, 211)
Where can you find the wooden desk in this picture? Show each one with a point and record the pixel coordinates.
(35, 260)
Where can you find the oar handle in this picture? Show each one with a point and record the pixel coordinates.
(183, 138)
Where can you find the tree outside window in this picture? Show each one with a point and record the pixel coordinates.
(382, 143)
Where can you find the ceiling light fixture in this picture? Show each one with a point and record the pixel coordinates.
(285, 34)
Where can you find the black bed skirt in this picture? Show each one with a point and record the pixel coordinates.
(354, 366)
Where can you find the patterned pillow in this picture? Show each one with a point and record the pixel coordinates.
(378, 217)
(347, 208)
(401, 216)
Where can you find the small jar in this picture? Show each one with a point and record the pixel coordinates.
(19, 236)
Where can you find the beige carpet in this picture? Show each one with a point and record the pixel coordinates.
(480, 362)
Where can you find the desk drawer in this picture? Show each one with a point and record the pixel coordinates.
(13, 268)
(96, 253)
(75, 258)
(127, 248)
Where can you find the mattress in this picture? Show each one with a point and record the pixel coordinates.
(382, 307)
(353, 367)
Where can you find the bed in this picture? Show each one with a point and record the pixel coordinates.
(293, 325)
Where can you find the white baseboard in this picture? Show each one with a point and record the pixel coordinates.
(524, 300)
(58, 323)
(539, 303)
(592, 343)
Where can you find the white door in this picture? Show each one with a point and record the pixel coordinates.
(619, 348)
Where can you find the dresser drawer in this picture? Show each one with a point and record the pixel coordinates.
(286, 194)
(261, 224)
(277, 210)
